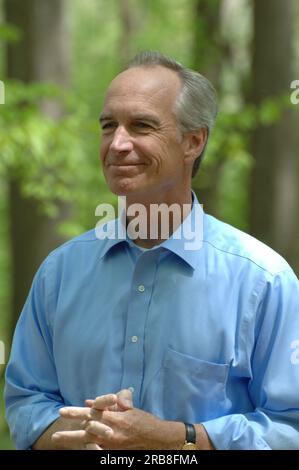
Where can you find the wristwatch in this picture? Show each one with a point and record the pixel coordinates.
(190, 441)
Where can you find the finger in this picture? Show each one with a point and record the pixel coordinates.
(89, 403)
(91, 446)
(125, 399)
(75, 412)
(73, 440)
(99, 429)
(105, 401)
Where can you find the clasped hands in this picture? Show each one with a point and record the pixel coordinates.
(107, 422)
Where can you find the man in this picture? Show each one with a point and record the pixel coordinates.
(146, 342)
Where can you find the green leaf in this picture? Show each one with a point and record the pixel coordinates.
(10, 32)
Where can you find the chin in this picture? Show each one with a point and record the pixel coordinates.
(127, 186)
(123, 188)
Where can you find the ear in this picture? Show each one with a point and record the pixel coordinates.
(194, 144)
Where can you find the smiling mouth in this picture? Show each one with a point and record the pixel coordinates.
(125, 164)
(127, 167)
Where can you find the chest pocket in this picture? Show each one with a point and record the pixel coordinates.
(192, 389)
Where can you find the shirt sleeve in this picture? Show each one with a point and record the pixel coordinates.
(274, 386)
(32, 392)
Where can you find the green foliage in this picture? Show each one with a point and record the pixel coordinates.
(230, 150)
(271, 109)
(4, 264)
(46, 156)
(9, 32)
(5, 441)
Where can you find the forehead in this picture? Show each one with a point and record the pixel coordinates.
(151, 87)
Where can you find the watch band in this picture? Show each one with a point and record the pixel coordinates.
(190, 433)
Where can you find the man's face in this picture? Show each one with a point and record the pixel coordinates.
(141, 147)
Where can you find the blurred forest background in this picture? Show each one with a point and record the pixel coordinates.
(56, 59)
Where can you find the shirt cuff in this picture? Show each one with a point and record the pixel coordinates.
(32, 422)
(234, 432)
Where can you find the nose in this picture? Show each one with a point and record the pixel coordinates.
(121, 141)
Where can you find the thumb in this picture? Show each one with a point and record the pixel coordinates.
(125, 400)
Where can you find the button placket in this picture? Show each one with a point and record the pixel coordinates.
(137, 312)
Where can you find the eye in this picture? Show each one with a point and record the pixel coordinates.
(108, 126)
(142, 125)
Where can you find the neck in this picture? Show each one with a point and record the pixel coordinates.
(151, 221)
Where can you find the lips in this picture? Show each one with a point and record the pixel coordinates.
(125, 169)
(125, 164)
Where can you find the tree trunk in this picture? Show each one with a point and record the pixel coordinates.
(208, 54)
(40, 55)
(274, 208)
(128, 23)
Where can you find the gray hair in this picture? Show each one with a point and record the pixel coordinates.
(196, 104)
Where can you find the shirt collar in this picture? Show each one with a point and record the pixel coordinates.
(185, 242)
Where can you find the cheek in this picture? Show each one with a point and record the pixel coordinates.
(157, 148)
(165, 156)
(103, 151)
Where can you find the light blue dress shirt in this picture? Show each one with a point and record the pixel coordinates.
(204, 336)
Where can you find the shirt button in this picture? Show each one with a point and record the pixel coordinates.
(134, 339)
(141, 288)
(131, 389)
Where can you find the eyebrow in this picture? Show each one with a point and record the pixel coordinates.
(105, 117)
(138, 117)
